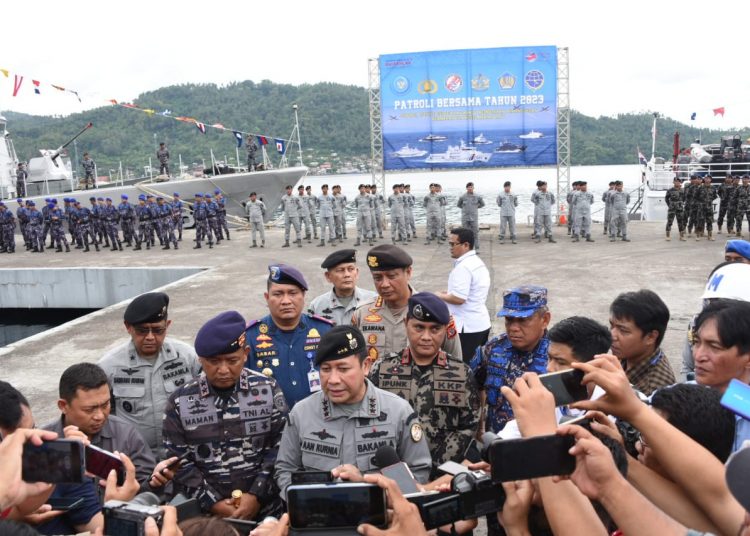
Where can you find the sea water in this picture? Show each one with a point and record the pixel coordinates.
(488, 183)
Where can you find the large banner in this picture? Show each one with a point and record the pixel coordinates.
(492, 107)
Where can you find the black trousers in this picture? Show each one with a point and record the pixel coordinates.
(471, 341)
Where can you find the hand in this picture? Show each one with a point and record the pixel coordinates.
(223, 508)
(405, 518)
(272, 528)
(43, 514)
(169, 525)
(14, 490)
(129, 488)
(248, 508)
(347, 472)
(595, 471)
(533, 406)
(481, 466)
(162, 474)
(620, 399)
(72, 432)
(514, 517)
(602, 424)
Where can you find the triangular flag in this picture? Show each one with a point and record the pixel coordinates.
(149, 112)
(219, 126)
(128, 105)
(76, 94)
(692, 116)
(280, 146)
(719, 111)
(165, 113)
(262, 140)
(36, 86)
(238, 137)
(17, 81)
(58, 88)
(185, 119)
(201, 127)
(5, 72)
(113, 101)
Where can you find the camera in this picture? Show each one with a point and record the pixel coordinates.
(472, 495)
(128, 518)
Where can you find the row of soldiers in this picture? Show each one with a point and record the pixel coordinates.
(692, 205)
(305, 209)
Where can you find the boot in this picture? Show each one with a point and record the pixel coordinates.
(197, 246)
(710, 237)
(552, 240)
(698, 237)
(58, 249)
(119, 246)
(86, 249)
(322, 243)
(148, 246)
(166, 246)
(370, 243)
(137, 247)
(96, 246)
(359, 241)
(332, 242)
(668, 238)
(394, 241)
(576, 239)
(738, 233)
(538, 240)
(719, 230)
(625, 239)
(513, 241)
(299, 242)
(682, 236)
(114, 247)
(67, 248)
(228, 235)
(211, 245)
(263, 244)
(255, 245)
(611, 238)
(175, 245)
(589, 239)
(286, 244)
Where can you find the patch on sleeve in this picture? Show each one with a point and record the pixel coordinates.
(451, 329)
(416, 432)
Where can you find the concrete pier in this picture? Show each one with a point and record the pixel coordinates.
(582, 279)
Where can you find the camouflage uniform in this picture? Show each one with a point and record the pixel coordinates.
(379, 223)
(543, 203)
(22, 216)
(89, 172)
(221, 217)
(177, 207)
(339, 215)
(700, 197)
(327, 204)
(321, 436)
(606, 199)
(200, 214)
(443, 215)
(398, 222)
(743, 206)
(432, 210)
(255, 211)
(292, 207)
(619, 223)
(162, 155)
(144, 227)
(385, 332)
(304, 217)
(167, 225)
(35, 229)
(7, 231)
(155, 228)
(723, 194)
(56, 229)
(330, 307)
(231, 442)
(445, 396)
(675, 200)
(110, 217)
(364, 217)
(507, 203)
(582, 202)
(252, 149)
(212, 209)
(708, 208)
(127, 222)
(496, 364)
(690, 206)
(470, 205)
(731, 195)
(312, 206)
(409, 202)
(83, 226)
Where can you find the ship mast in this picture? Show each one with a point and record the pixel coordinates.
(653, 136)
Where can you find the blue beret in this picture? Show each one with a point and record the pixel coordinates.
(176, 194)
(223, 334)
(159, 198)
(198, 195)
(740, 247)
(19, 200)
(340, 342)
(207, 196)
(284, 274)
(108, 199)
(149, 195)
(124, 196)
(387, 257)
(50, 205)
(522, 302)
(217, 191)
(100, 199)
(2, 204)
(142, 197)
(31, 204)
(426, 307)
(146, 308)
(92, 198)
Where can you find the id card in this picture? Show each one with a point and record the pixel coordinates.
(313, 380)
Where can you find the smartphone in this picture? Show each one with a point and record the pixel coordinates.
(57, 462)
(312, 477)
(737, 398)
(335, 506)
(473, 452)
(531, 457)
(565, 385)
(176, 464)
(402, 475)
(453, 468)
(65, 503)
(100, 462)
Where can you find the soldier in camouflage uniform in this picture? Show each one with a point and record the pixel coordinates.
(23, 219)
(162, 155)
(691, 190)
(409, 202)
(582, 201)
(89, 171)
(700, 198)
(167, 224)
(212, 209)
(110, 218)
(743, 204)
(56, 229)
(571, 206)
(398, 222)
(379, 200)
(200, 215)
(675, 201)
(304, 214)
(83, 226)
(709, 195)
(470, 203)
(177, 206)
(432, 211)
(341, 427)
(732, 204)
(607, 205)
(326, 202)
(723, 192)
(543, 203)
(363, 203)
(292, 207)
(127, 220)
(619, 223)
(255, 211)
(339, 213)
(440, 388)
(312, 205)
(35, 228)
(221, 215)
(507, 203)
(228, 424)
(7, 230)
(143, 213)
(443, 212)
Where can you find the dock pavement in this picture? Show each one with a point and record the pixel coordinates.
(582, 278)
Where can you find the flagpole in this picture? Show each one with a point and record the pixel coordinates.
(296, 126)
(653, 137)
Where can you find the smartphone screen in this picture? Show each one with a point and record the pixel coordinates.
(737, 398)
(532, 457)
(100, 462)
(565, 385)
(56, 462)
(65, 503)
(335, 506)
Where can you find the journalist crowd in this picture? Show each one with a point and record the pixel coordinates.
(396, 411)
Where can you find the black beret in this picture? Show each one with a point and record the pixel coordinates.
(387, 257)
(223, 334)
(581, 183)
(150, 307)
(340, 342)
(426, 307)
(284, 274)
(339, 257)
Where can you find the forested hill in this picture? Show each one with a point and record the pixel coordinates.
(333, 118)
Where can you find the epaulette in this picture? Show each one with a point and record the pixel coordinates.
(322, 319)
(252, 323)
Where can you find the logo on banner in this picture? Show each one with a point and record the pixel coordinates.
(400, 84)
(534, 80)
(453, 83)
(427, 87)
(506, 81)
(480, 83)
(531, 57)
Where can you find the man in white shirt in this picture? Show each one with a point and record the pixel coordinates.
(468, 286)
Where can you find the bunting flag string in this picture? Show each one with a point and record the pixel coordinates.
(202, 126)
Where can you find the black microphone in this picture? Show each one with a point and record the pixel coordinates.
(487, 439)
(388, 461)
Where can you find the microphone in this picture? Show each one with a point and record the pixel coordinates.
(388, 461)
(487, 439)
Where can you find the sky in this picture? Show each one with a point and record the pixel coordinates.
(636, 56)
